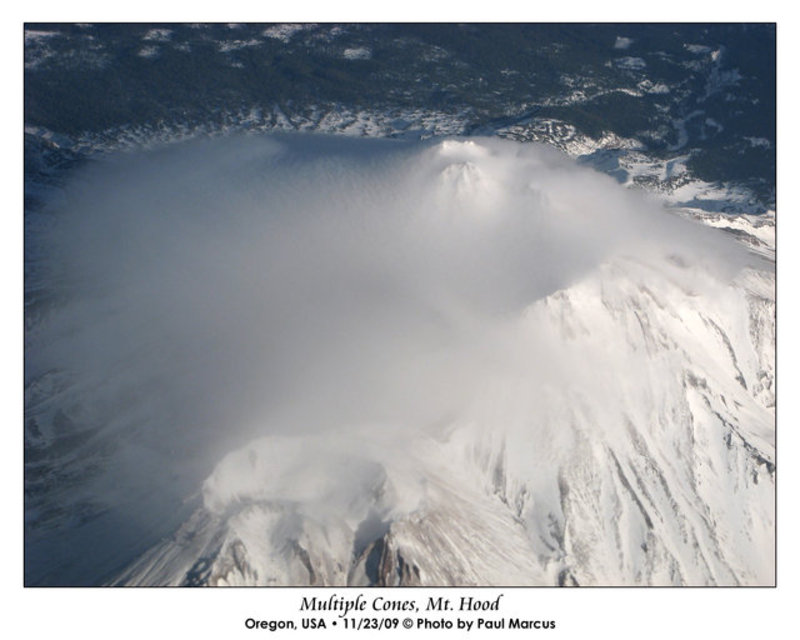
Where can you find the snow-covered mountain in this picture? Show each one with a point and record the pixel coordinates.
(655, 465)
(538, 379)
(686, 109)
(261, 350)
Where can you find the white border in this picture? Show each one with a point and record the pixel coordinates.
(651, 612)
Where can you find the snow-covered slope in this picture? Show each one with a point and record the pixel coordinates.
(655, 465)
(622, 434)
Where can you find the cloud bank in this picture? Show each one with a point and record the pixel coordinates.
(218, 291)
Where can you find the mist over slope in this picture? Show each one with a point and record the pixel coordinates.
(307, 360)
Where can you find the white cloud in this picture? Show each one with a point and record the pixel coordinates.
(221, 291)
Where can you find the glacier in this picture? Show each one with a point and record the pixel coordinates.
(463, 362)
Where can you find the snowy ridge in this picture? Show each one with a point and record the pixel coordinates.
(540, 377)
(655, 467)
(755, 232)
(625, 159)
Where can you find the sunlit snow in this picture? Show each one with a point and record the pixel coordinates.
(316, 360)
